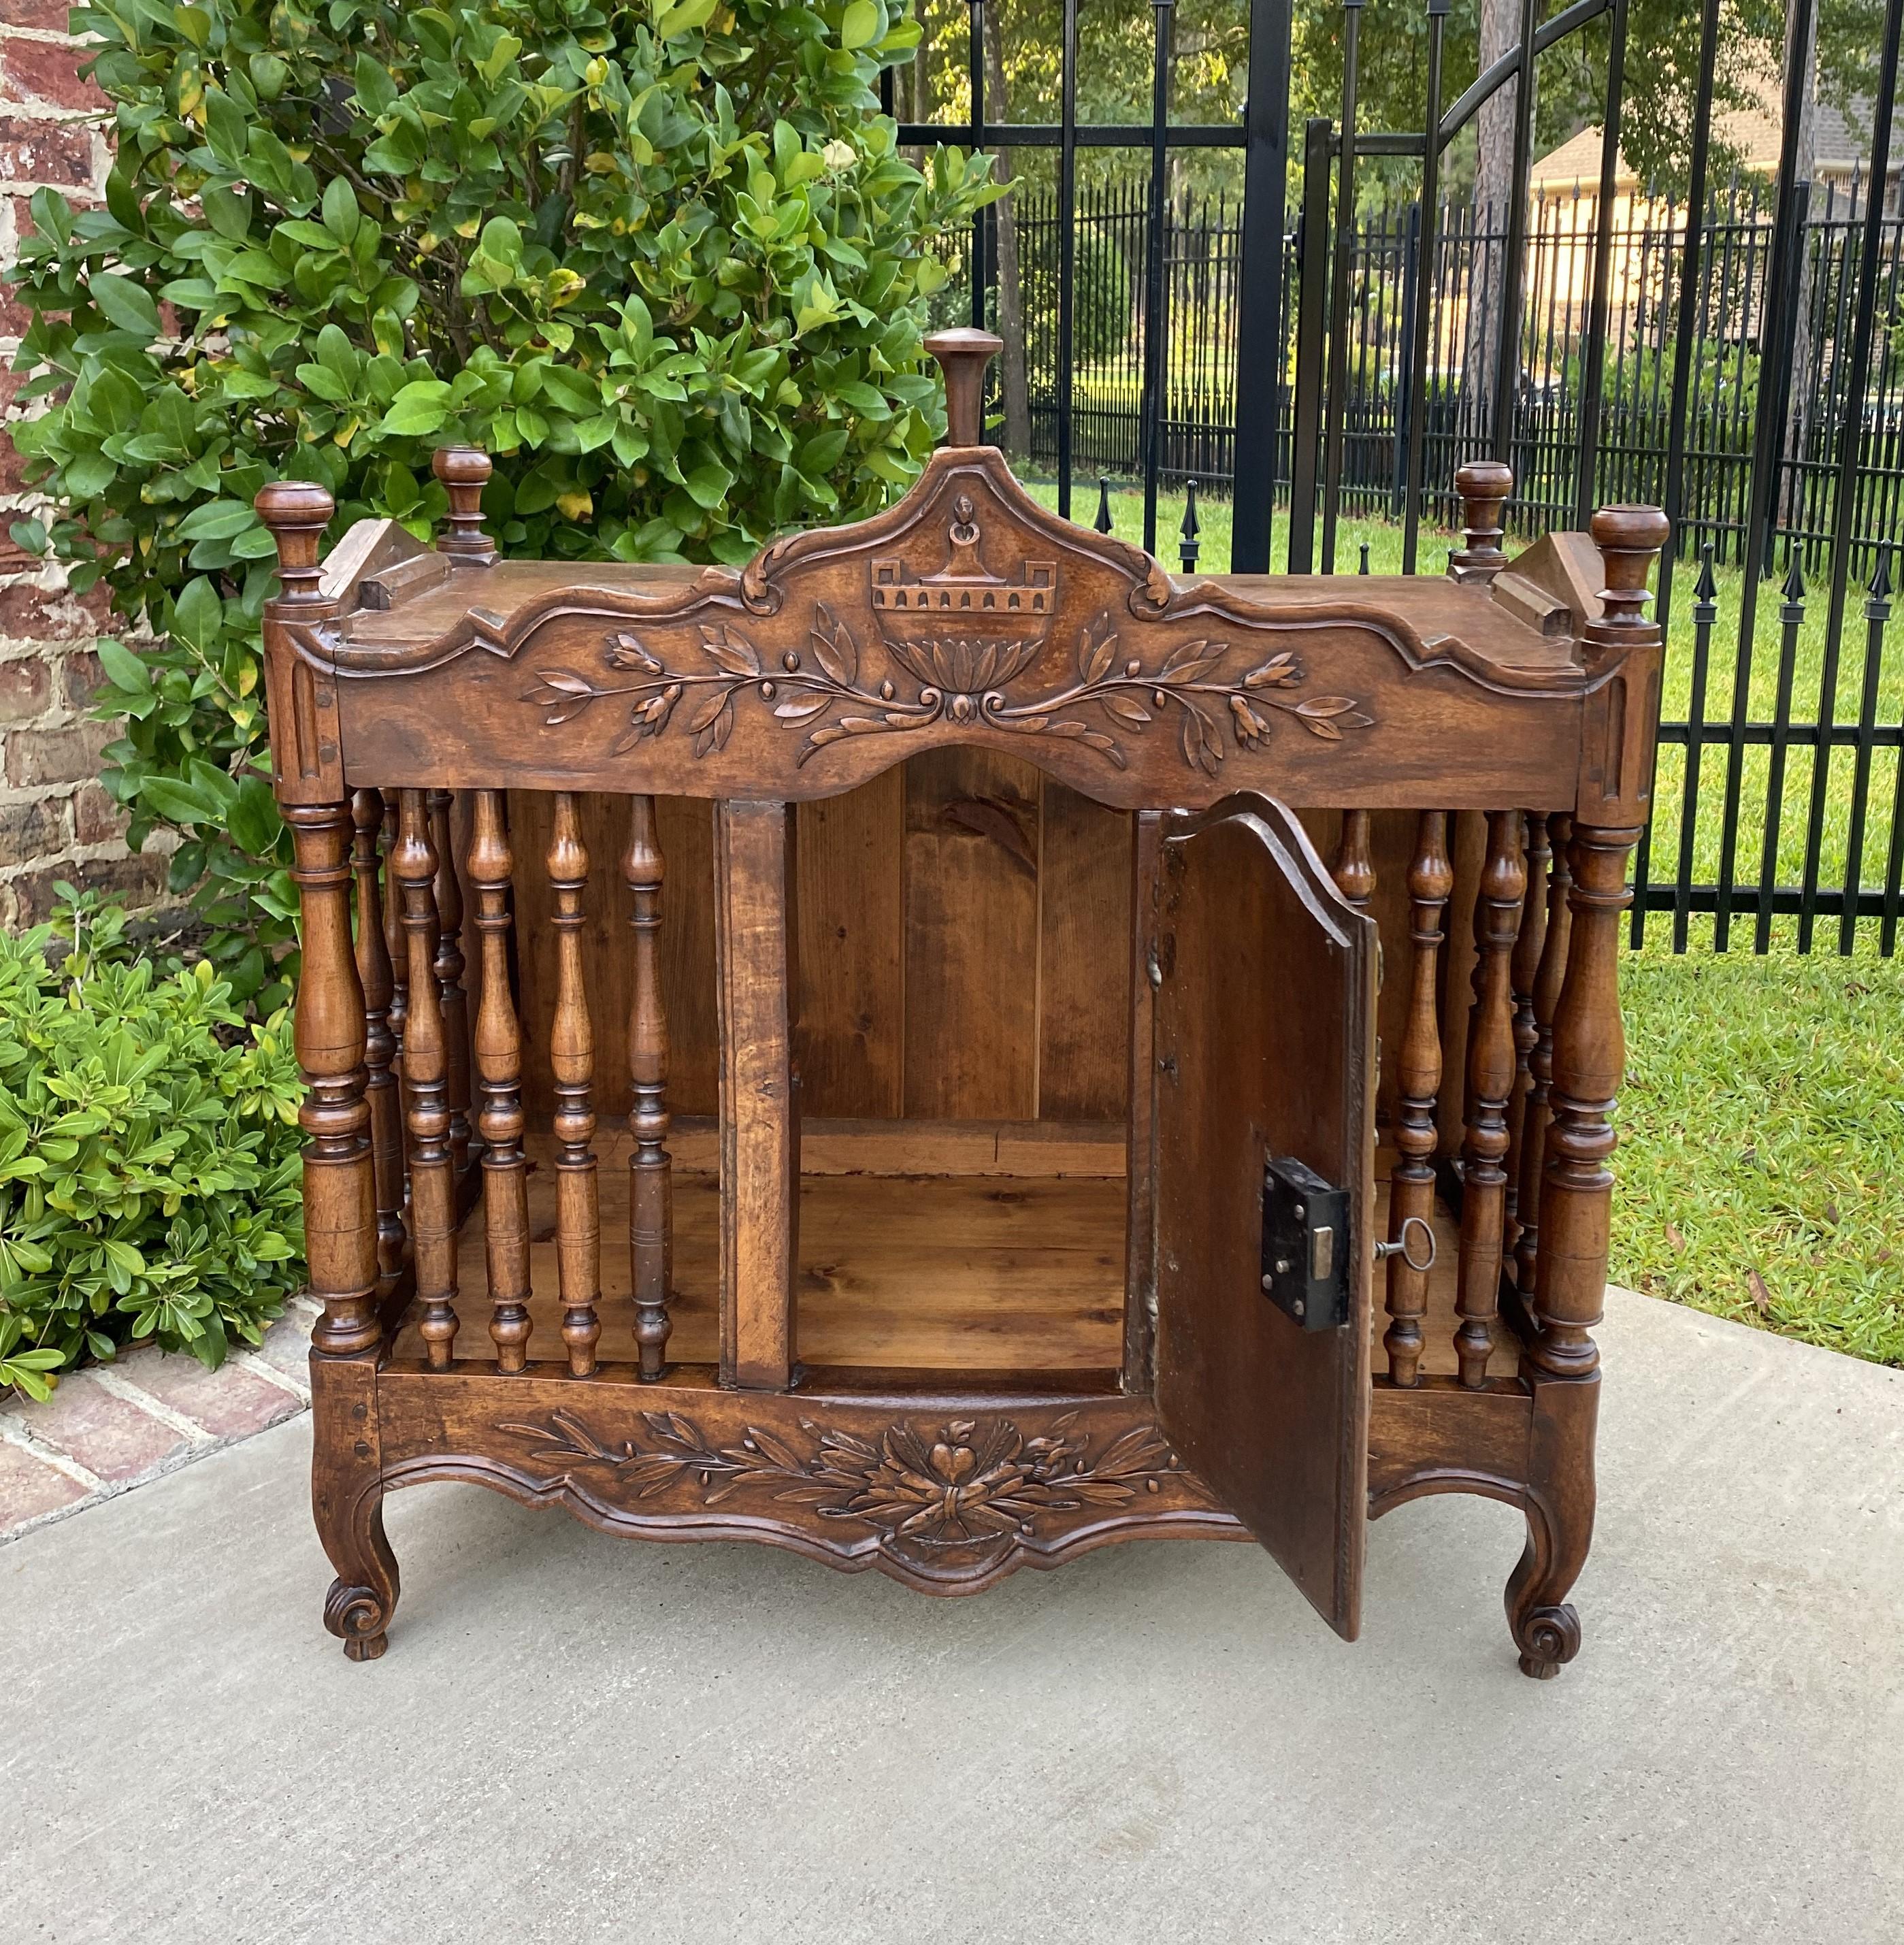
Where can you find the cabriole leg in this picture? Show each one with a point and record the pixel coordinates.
(347, 1499)
(1562, 1361)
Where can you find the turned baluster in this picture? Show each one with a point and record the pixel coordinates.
(340, 1191)
(1411, 1184)
(1589, 1061)
(1540, 1061)
(450, 965)
(398, 953)
(374, 974)
(1490, 1076)
(1352, 868)
(499, 1074)
(1589, 1044)
(572, 1061)
(432, 1165)
(1525, 968)
(650, 1181)
(329, 1031)
(393, 945)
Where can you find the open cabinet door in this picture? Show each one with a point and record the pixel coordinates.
(1265, 1021)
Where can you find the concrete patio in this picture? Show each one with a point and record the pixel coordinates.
(575, 1739)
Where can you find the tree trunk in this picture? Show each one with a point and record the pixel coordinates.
(922, 70)
(1494, 124)
(1011, 289)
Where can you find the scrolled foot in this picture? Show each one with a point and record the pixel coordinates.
(358, 1619)
(1548, 1638)
(1542, 1619)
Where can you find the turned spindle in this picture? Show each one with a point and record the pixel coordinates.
(962, 354)
(399, 951)
(1490, 1078)
(1353, 868)
(1589, 1061)
(650, 1176)
(1525, 968)
(450, 966)
(572, 1062)
(464, 472)
(433, 1167)
(340, 1190)
(393, 938)
(1418, 1080)
(499, 1078)
(1540, 1061)
(374, 974)
(1484, 486)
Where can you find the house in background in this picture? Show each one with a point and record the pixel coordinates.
(1563, 198)
(1750, 137)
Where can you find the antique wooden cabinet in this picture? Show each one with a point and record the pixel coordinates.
(915, 949)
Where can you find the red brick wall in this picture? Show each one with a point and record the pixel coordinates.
(55, 821)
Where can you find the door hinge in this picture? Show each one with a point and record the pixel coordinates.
(1305, 1271)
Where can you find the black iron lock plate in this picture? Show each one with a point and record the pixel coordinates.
(1305, 1244)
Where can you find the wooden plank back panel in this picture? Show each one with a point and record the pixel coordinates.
(971, 826)
(850, 1033)
(1084, 956)
(964, 947)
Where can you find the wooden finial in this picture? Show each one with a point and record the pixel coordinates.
(297, 512)
(1629, 539)
(464, 472)
(962, 354)
(1483, 485)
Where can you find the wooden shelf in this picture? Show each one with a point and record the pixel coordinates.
(946, 1246)
(991, 1268)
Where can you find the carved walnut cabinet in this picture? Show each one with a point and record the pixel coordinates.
(864, 1052)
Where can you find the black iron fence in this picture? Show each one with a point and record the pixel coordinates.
(1746, 371)
(1202, 257)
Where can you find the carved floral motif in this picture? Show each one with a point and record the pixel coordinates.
(950, 677)
(965, 1485)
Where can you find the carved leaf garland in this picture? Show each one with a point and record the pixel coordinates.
(927, 1486)
(950, 678)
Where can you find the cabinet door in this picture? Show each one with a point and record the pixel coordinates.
(1265, 1011)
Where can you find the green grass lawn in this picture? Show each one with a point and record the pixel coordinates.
(1761, 1163)
(1213, 530)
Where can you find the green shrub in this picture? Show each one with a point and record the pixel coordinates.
(663, 260)
(148, 1154)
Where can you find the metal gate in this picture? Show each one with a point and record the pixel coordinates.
(1780, 795)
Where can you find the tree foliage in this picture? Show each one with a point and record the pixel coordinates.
(664, 260)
